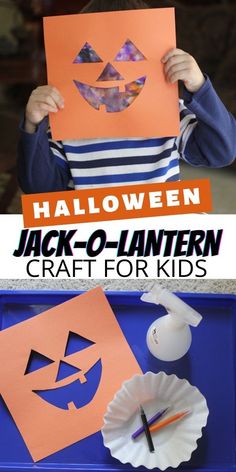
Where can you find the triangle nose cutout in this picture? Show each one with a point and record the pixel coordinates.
(65, 370)
(110, 73)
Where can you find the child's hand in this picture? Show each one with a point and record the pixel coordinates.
(42, 100)
(179, 65)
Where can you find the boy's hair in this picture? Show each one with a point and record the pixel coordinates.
(96, 6)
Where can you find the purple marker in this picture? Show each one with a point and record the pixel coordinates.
(151, 421)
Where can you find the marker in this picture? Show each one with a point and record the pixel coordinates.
(152, 420)
(147, 430)
(167, 421)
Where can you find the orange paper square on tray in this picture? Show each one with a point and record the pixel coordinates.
(108, 68)
(60, 369)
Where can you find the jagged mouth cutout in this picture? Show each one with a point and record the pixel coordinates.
(78, 388)
(112, 98)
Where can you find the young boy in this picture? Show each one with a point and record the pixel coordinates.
(207, 138)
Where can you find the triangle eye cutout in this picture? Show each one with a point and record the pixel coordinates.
(36, 361)
(65, 370)
(129, 52)
(76, 343)
(87, 54)
(110, 73)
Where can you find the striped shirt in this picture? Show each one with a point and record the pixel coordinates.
(114, 162)
(207, 138)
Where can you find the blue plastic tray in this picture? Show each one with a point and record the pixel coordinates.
(210, 365)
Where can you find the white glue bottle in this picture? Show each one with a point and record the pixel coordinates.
(169, 337)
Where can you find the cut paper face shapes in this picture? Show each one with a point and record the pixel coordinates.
(63, 367)
(73, 388)
(112, 98)
(110, 74)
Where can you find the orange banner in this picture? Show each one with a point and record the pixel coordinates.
(116, 203)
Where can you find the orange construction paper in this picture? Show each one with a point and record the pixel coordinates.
(47, 428)
(153, 113)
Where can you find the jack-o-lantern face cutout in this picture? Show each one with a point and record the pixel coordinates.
(72, 388)
(112, 98)
(63, 367)
(108, 69)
